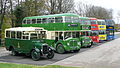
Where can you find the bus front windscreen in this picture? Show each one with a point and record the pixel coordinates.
(102, 32)
(110, 22)
(94, 33)
(85, 33)
(110, 32)
(101, 22)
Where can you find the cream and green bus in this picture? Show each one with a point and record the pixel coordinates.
(28, 40)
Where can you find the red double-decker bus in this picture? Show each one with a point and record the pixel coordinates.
(94, 35)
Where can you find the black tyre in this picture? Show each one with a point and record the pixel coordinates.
(50, 55)
(60, 49)
(35, 55)
(76, 50)
(13, 52)
(27, 54)
(90, 45)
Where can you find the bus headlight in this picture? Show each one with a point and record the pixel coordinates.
(90, 40)
(83, 41)
(68, 43)
(79, 43)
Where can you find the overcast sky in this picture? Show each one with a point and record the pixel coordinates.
(114, 4)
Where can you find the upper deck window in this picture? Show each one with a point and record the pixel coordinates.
(39, 21)
(51, 20)
(85, 22)
(76, 20)
(28, 21)
(109, 22)
(101, 22)
(68, 19)
(33, 21)
(58, 19)
(44, 20)
(24, 21)
(93, 22)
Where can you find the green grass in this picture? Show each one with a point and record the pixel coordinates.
(11, 65)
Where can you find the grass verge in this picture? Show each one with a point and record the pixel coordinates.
(11, 65)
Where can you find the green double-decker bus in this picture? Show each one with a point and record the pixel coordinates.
(85, 31)
(63, 30)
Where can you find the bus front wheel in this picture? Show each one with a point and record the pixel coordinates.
(60, 49)
(35, 55)
(50, 55)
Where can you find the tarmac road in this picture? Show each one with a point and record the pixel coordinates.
(106, 55)
(5, 56)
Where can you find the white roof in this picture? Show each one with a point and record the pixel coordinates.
(100, 20)
(25, 29)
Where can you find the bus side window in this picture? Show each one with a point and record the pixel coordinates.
(58, 20)
(26, 37)
(38, 20)
(50, 20)
(68, 19)
(33, 21)
(28, 21)
(19, 34)
(44, 20)
(43, 34)
(13, 34)
(8, 34)
(76, 20)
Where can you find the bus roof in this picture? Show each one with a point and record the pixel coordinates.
(83, 17)
(93, 18)
(25, 29)
(54, 15)
(100, 20)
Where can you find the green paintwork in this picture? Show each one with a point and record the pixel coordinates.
(70, 47)
(56, 26)
(87, 41)
(23, 46)
(55, 15)
(85, 38)
(60, 27)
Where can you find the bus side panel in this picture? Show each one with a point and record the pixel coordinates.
(25, 46)
(56, 26)
(110, 37)
(11, 42)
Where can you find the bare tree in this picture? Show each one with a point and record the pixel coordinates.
(59, 6)
(81, 8)
(99, 12)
